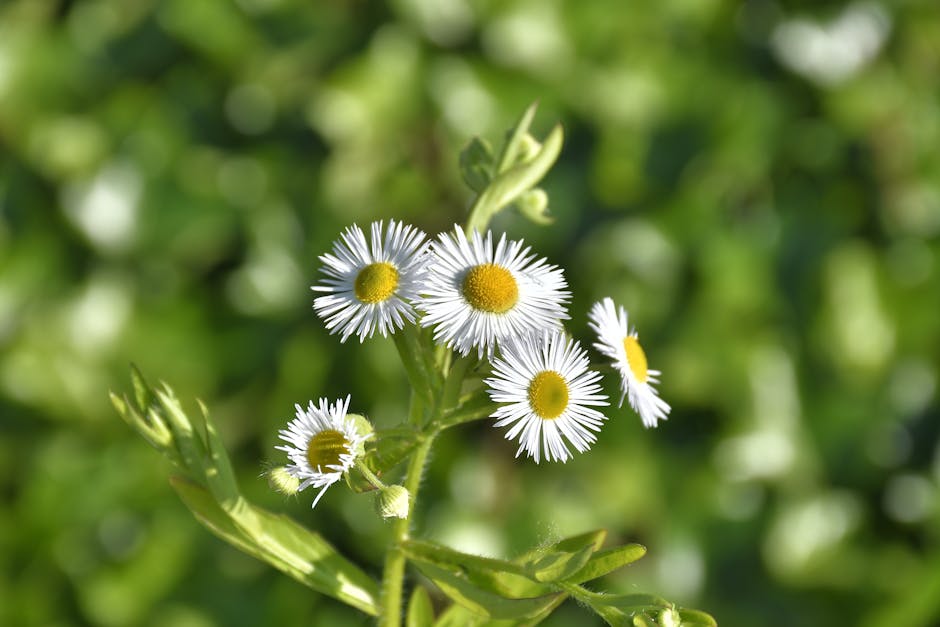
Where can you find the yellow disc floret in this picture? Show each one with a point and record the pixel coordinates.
(548, 394)
(325, 449)
(491, 288)
(376, 282)
(636, 358)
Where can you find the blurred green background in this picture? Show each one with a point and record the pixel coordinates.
(758, 182)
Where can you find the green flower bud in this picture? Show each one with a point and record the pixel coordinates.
(669, 617)
(393, 501)
(363, 428)
(283, 481)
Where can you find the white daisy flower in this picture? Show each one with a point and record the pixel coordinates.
(622, 344)
(547, 389)
(476, 296)
(322, 444)
(370, 285)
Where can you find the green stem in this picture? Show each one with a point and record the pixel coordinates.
(390, 604)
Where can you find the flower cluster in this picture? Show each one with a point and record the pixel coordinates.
(478, 294)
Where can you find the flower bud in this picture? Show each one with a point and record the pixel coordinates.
(669, 617)
(393, 501)
(282, 481)
(364, 428)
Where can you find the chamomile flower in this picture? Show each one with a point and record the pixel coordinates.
(369, 285)
(621, 343)
(322, 444)
(547, 392)
(477, 295)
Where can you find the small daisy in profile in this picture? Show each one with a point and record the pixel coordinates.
(322, 444)
(370, 284)
(548, 390)
(477, 296)
(622, 344)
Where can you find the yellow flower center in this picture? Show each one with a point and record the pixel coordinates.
(636, 358)
(548, 394)
(324, 448)
(376, 282)
(490, 288)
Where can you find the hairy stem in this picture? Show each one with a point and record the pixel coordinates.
(393, 578)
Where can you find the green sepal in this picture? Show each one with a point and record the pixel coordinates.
(457, 586)
(420, 611)
(476, 164)
(607, 561)
(282, 543)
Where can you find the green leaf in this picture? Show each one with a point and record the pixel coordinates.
(571, 544)
(633, 602)
(514, 143)
(696, 617)
(279, 541)
(460, 589)
(606, 561)
(458, 616)
(558, 566)
(500, 577)
(477, 407)
(219, 474)
(509, 185)
(143, 393)
(476, 164)
(420, 611)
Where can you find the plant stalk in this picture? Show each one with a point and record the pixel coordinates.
(393, 578)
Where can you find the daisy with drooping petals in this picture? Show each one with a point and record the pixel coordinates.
(548, 390)
(370, 285)
(477, 296)
(622, 344)
(322, 444)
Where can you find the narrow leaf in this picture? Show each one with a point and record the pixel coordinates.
(500, 577)
(279, 541)
(459, 589)
(476, 164)
(513, 143)
(219, 474)
(606, 561)
(632, 602)
(476, 408)
(420, 611)
(570, 544)
(557, 566)
(696, 617)
(143, 393)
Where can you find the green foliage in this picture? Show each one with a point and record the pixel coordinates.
(170, 171)
(207, 486)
